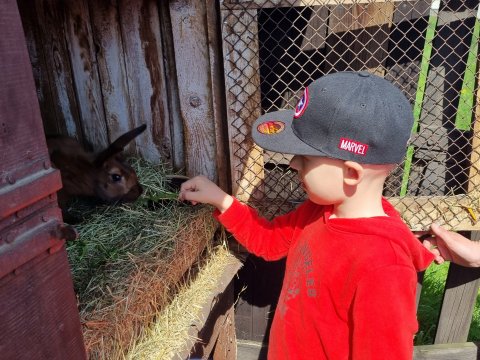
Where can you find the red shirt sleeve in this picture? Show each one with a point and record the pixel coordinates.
(384, 314)
(268, 239)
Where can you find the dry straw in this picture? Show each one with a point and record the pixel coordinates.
(169, 335)
(129, 261)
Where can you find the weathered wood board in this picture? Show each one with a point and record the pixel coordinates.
(196, 106)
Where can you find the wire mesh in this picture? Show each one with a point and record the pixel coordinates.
(429, 49)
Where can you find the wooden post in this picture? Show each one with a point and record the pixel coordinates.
(462, 284)
(242, 78)
(218, 95)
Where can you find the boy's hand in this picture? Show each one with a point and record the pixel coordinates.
(451, 246)
(201, 190)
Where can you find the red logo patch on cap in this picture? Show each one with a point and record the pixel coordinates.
(271, 127)
(301, 105)
(353, 146)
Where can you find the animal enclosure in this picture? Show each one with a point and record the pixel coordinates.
(273, 49)
(100, 68)
(199, 72)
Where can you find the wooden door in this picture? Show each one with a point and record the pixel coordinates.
(38, 313)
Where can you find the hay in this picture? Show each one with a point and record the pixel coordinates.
(169, 335)
(129, 260)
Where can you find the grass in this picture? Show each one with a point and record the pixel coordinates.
(430, 303)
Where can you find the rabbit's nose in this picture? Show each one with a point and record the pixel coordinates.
(136, 191)
(133, 194)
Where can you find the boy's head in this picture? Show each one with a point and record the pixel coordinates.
(346, 116)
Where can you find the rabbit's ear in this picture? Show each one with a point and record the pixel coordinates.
(118, 145)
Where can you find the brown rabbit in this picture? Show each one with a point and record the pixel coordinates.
(105, 176)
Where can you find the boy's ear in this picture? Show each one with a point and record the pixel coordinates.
(353, 173)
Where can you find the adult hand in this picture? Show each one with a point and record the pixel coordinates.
(451, 246)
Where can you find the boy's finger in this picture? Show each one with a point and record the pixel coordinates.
(430, 244)
(419, 234)
(191, 195)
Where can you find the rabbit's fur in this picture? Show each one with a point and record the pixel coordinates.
(105, 176)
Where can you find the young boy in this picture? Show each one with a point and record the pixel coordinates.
(351, 272)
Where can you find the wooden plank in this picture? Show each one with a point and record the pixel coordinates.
(216, 340)
(258, 285)
(309, 25)
(31, 27)
(51, 21)
(461, 291)
(226, 345)
(358, 37)
(449, 211)
(218, 97)
(420, 211)
(175, 119)
(107, 37)
(464, 351)
(256, 4)
(22, 140)
(145, 76)
(38, 304)
(242, 79)
(79, 36)
(195, 92)
(249, 350)
(209, 319)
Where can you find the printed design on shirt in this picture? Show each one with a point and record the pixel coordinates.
(301, 105)
(353, 146)
(271, 127)
(300, 277)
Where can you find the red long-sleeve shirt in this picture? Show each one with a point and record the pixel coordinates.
(349, 286)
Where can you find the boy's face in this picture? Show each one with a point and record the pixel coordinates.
(320, 177)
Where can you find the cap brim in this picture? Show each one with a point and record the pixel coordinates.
(284, 141)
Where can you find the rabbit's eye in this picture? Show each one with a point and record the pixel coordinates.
(116, 177)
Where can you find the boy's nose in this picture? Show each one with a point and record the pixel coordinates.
(295, 163)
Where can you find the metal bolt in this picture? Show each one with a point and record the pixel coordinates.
(11, 180)
(195, 101)
(9, 238)
(44, 218)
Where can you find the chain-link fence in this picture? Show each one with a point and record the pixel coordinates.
(273, 49)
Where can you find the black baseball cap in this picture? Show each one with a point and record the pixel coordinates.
(345, 115)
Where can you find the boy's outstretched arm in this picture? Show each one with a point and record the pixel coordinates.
(201, 190)
(268, 239)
